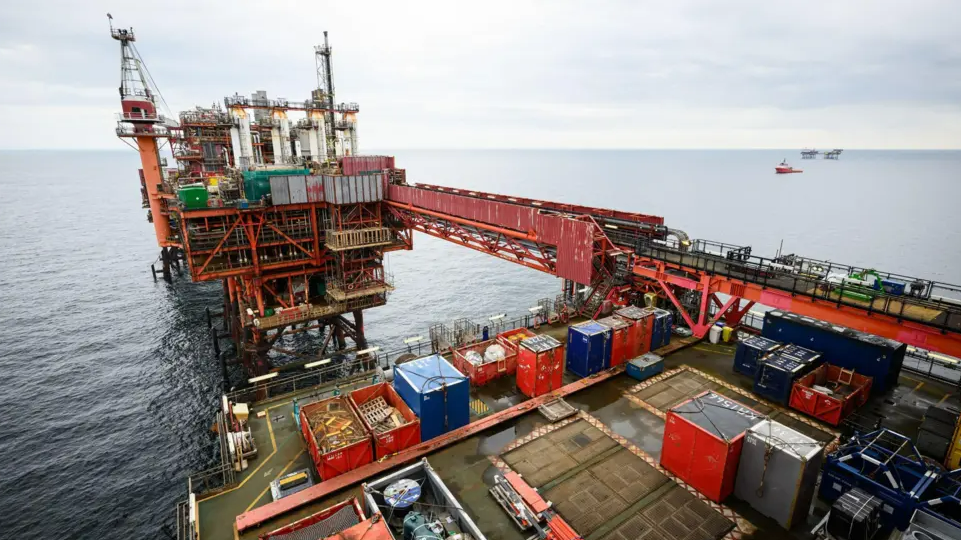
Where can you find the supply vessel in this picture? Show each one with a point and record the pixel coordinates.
(549, 424)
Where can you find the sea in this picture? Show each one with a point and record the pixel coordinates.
(108, 378)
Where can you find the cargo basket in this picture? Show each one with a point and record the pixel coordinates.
(336, 438)
(830, 393)
(387, 418)
(478, 368)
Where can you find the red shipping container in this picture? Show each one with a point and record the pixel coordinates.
(481, 374)
(512, 338)
(337, 461)
(849, 391)
(620, 340)
(702, 442)
(393, 440)
(540, 365)
(642, 324)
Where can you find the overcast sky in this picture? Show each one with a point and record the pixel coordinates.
(553, 74)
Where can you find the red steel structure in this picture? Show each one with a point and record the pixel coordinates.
(287, 268)
(615, 255)
(272, 259)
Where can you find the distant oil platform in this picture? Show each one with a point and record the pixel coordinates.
(813, 154)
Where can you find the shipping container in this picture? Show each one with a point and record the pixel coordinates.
(297, 187)
(702, 442)
(315, 188)
(873, 356)
(351, 165)
(483, 364)
(588, 348)
(620, 340)
(437, 393)
(540, 365)
(418, 489)
(663, 327)
(830, 393)
(777, 371)
(329, 522)
(642, 323)
(193, 196)
(778, 471)
(353, 189)
(511, 339)
(279, 190)
(336, 439)
(750, 351)
(387, 418)
(645, 366)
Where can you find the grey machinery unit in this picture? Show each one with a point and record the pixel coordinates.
(924, 526)
(429, 513)
(777, 472)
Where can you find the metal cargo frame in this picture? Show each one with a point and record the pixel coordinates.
(423, 474)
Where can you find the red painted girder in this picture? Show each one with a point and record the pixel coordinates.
(910, 332)
(501, 246)
(262, 514)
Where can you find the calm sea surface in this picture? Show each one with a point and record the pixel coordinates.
(108, 378)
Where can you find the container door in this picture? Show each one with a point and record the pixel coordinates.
(678, 446)
(708, 464)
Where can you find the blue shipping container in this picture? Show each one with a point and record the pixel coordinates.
(645, 366)
(750, 351)
(777, 372)
(437, 393)
(588, 348)
(867, 354)
(663, 327)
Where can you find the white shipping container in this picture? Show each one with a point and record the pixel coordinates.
(297, 186)
(279, 191)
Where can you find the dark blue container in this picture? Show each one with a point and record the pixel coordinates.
(588, 348)
(870, 355)
(891, 286)
(777, 371)
(663, 327)
(645, 366)
(437, 393)
(749, 353)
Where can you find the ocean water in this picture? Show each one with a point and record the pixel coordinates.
(109, 380)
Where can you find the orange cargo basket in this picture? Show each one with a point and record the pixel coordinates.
(484, 373)
(392, 430)
(846, 391)
(336, 438)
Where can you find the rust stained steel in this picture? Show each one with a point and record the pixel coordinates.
(881, 324)
(501, 245)
(259, 516)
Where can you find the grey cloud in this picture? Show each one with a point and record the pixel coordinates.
(633, 68)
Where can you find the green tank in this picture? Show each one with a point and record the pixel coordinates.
(193, 196)
(257, 183)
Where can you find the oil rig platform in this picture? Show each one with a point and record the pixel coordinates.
(272, 198)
